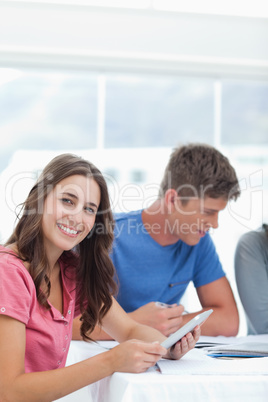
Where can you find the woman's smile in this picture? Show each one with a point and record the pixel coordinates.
(68, 231)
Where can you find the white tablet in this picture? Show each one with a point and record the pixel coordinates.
(188, 327)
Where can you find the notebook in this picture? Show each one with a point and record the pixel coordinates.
(246, 349)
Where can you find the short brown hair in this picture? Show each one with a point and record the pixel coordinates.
(200, 170)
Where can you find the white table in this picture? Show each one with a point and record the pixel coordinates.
(154, 386)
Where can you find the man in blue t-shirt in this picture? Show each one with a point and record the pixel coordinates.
(158, 251)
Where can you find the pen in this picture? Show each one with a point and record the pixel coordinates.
(160, 304)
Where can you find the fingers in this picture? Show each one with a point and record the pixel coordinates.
(166, 318)
(185, 344)
(148, 355)
(137, 356)
(169, 318)
(171, 326)
(177, 310)
(196, 333)
(152, 356)
(173, 311)
(154, 349)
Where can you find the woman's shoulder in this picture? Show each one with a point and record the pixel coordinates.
(254, 236)
(16, 284)
(9, 258)
(8, 253)
(254, 242)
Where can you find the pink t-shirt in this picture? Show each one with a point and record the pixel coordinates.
(48, 332)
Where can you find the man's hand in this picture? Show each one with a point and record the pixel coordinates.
(166, 318)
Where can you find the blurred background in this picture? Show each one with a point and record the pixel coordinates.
(123, 82)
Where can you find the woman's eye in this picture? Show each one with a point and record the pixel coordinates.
(67, 201)
(90, 210)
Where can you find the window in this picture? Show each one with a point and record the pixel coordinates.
(244, 113)
(153, 111)
(46, 110)
(127, 125)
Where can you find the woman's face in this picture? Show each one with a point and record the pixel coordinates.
(69, 212)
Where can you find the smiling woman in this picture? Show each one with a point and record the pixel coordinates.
(37, 238)
(54, 267)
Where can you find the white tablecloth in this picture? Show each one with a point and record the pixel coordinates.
(154, 386)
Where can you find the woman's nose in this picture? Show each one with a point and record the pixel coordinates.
(75, 218)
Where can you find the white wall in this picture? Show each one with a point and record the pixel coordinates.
(101, 39)
(122, 39)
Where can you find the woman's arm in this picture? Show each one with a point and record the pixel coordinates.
(16, 385)
(127, 329)
(139, 350)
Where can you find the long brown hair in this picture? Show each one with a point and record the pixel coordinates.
(93, 266)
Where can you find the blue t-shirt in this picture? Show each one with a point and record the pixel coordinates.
(149, 272)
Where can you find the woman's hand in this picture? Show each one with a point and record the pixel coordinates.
(135, 356)
(184, 345)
